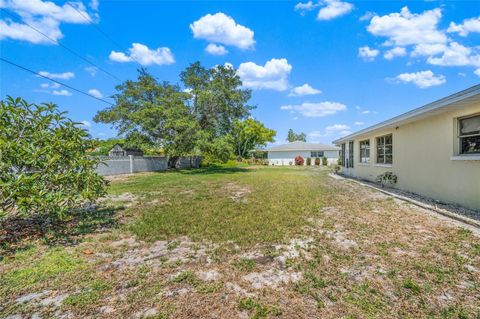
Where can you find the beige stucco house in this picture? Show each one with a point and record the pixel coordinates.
(434, 150)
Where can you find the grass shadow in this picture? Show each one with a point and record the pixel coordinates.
(214, 169)
(18, 234)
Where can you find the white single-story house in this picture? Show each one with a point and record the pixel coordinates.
(285, 154)
(433, 150)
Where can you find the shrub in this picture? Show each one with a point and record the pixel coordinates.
(317, 161)
(299, 160)
(309, 161)
(44, 168)
(387, 178)
(324, 161)
(337, 168)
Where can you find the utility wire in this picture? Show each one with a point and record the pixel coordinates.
(65, 47)
(58, 82)
(109, 38)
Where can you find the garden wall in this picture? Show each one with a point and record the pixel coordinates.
(117, 165)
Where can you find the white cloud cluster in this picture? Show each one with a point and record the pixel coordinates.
(302, 90)
(220, 28)
(96, 93)
(273, 75)
(330, 9)
(422, 79)
(62, 92)
(334, 9)
(394, 52)
(305, 6)
(46, 16)
(320, 109)
(406, 28)
(471, 25)
(144, 55)
(59, 76)
(421, 32)
(215, 49)
(367, 53)
(335, 130)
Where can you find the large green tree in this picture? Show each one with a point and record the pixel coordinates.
(151, 113)
(292, 136)
(249, 134)
(44, 168)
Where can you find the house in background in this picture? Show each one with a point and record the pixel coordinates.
(434, 150)
(119, 150)
(285, 154)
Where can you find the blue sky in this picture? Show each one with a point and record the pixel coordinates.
(325, 68)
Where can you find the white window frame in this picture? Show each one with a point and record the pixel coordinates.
(364, 159)
(384, 153)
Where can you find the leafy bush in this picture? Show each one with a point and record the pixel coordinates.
(309, 161)
(44, 168)
(317, 161)
(324, 161)
(387, 178)
(337, 168)
(299, 160)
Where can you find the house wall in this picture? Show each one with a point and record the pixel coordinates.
(285, 157)
(424, 160)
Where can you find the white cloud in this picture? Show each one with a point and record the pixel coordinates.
(395, 52)
(406, 28)
(428, 49)
(60, 76)
(86, 123)
(306, 6)
(214, 49)
(359, 123)
(320, 109)
(334, 9)
(91, 70)
(456, 55)
(367, 53)
(305, 89)
(96, 93)
(220, 28)
(365, 112)
(45, 16)
(367, 16)
(144, 55)
(466, 27)
(477, 72)
(62, 92)
(273, 75)
(336, 130)
(52, 85)
(422, 79)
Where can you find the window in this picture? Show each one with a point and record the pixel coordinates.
(469, 134)
(365, 151)
(342, 155)
(350, 154)
(316, 154)
(385, 149)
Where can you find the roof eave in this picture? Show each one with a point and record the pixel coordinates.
(415, 113)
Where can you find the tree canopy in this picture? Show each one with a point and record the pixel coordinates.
(292, 136)
(44, 168)
(204, 118)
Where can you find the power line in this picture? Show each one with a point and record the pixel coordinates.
(58, 82)
(109, 38)
(65, 47)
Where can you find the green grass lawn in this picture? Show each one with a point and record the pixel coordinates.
(255, 242)
(244, 205)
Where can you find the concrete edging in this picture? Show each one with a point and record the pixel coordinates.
(440, 211)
